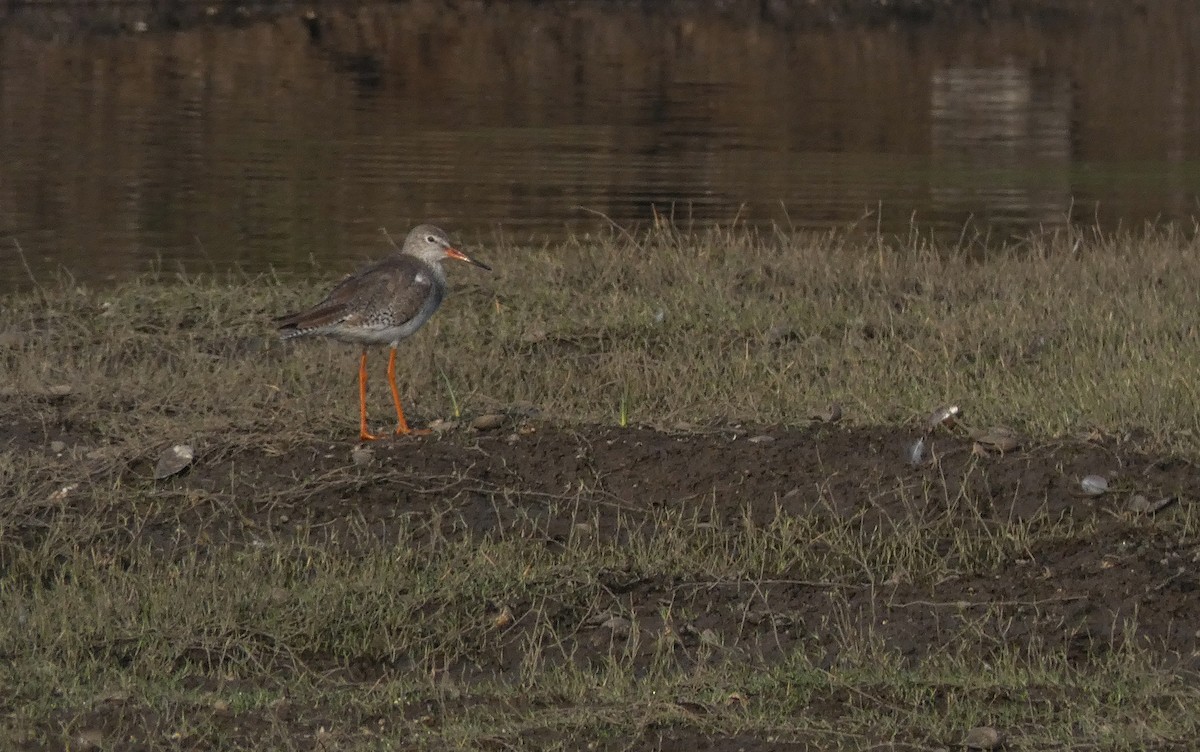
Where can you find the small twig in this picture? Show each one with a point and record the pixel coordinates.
(608, 219)
(757, 583)
(388, 235)
(25, 263)
(971, 604)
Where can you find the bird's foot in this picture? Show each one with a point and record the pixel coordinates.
(365, 435)
(406, 431)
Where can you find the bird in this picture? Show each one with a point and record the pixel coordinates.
(382, 304)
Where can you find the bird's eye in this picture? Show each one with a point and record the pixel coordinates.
(430, 239)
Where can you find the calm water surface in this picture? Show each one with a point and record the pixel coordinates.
(280, 142)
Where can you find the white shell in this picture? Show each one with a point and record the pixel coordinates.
(1094, 485)
(173, 461)
(944, 416)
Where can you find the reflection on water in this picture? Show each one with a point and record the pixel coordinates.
(282, 141)
(1000, 144)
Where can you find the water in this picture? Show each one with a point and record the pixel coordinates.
(276, 143)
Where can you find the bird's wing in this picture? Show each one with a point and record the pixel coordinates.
(398, 286)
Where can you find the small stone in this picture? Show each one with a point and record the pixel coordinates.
(947, 416)
(916, 452)
(619, 625)
(1094, 485)
(58, 390)
(831, 414)
(362, 456)
(1139, 504)
(488, 422)
(88, 739)
(761, 439)
(58, 447)
(997, 439)
(173, 461)
(442, 426)
(220, 706)
(503, 619)
(983, 737)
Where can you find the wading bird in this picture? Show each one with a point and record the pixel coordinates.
(382, 304)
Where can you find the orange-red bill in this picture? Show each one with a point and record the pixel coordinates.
(454, 253)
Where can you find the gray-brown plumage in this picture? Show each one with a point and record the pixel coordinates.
(382, 304)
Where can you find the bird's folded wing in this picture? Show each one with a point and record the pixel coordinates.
(386, 294)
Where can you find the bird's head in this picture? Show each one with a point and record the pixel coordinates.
(431, 244)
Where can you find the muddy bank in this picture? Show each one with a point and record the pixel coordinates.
(143, 17)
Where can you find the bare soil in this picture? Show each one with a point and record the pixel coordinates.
(1089, 586)
(1078, 590)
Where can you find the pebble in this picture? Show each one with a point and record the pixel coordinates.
(916, 452)
(947, 416)
(173, 460)
(997, 439)
(442, 426)
(1094, 485)
(619, 625)
(503, 619)
(488, 422)
(362, 456)
(58, 447)
(831, 414)
(983, 737)
(1139, 504)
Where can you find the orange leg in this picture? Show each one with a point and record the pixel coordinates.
(363, 433)
(401, 423)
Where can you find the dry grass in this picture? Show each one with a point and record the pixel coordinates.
(1062, 334)
(362, 637)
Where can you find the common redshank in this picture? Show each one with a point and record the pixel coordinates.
(382, 304)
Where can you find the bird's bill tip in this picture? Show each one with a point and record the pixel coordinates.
(454, 253)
